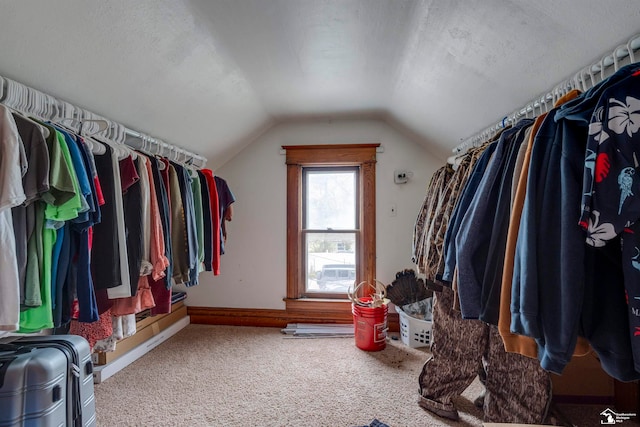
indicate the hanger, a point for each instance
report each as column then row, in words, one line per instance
column 632, row 56
column 117, row 148
column 158, row 154
column 95, row 146
column 11, row 97
column 102, row 126
column 583, row 79
column 623, row 53
column 602, row 66
column 145, row 141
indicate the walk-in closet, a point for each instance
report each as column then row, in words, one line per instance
column 196, row 197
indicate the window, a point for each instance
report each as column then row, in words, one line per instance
column 330, row 220
column 330, row 225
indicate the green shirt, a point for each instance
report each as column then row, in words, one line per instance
column 197, row 204
column 62, row 205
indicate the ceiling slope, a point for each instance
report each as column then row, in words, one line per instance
column 211, row 75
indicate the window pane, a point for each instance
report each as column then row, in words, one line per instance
column 331, row 262
column 330, row 199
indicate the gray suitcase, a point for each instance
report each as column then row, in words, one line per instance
column 33, row 386
column 80, row 399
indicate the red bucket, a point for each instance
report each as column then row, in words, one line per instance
column 370, row 326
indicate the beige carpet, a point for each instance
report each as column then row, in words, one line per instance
column 242, row 376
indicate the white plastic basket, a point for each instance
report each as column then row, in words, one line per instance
column 414, row 332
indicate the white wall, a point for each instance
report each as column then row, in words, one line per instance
column 254, row 265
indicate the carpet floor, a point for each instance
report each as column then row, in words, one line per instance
column 245, row 376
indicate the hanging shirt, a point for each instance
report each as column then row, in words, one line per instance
column 35, row 183
column 474, row 235
column 60, row 191
column 421, row 244
column 225, row 199
column 82, row 176
column 143, row 298
column 179, row 242
column 184, row 181
column 105, row 252
column 132, row 206
column 161, row 288
column 57, row 218
column 11, row 195
column 57, row 214
column 215, row 220
column 60, row 208
column 145, row 205
column 124, row 289
column 207, row 222
column 468, row 193
column 64, row 282
column 199, row 216
column 87, row 306
column 611, row 186
column 157, row 248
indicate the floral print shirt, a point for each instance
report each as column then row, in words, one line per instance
column 611, row 185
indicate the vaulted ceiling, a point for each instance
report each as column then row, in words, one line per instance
column 212, row 75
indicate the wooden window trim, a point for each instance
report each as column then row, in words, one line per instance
column 299, row 156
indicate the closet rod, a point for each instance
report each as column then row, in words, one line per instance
column 153, row 145
column 31, row 101
column 590, row 73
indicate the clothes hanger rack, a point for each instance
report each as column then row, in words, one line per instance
column 31, row 102
column 582, row 80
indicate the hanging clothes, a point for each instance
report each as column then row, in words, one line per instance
column 105, row 257
column 90, row 239
column 179, row 239
column 85, row 293
column 11, row 195
column 143, row 298
column 541, row 241
column 214, row 255
column 423, row 253
column 190, row 233
column 462, row 347
column 133, row 218
column 35, row 183
column 610, row 208
column 567, row 281
column 513, row 342
column 208, row 222
column 157, row 249
column 465, row 198
column 225, row 213
column 476, row 258
column 161, row 287
column 196, row 189
column 63, row 204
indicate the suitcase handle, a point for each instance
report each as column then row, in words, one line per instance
column 15, row 348
column 4, row 366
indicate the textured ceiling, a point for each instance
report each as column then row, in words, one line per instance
column 211, row 75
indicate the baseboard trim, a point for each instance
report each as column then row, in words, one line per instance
column 271, row 318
